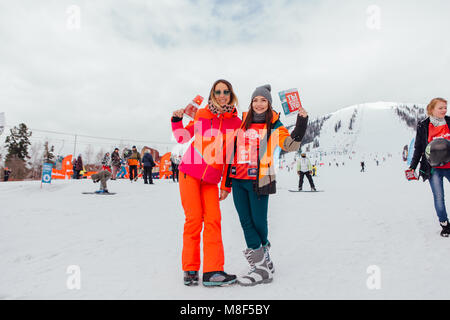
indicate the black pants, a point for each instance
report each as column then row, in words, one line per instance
column 175, row 172
column 133, row 172
column 77, row 174
column 148, row 174
column 308, row 175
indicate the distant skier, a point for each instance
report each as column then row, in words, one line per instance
column 101, row 177
column 304, row 168
column 148, row 167
column 362, row 166
column 437, row 125
column 6, row 174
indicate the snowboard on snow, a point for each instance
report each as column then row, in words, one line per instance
column 103, row 193
column 306, row 191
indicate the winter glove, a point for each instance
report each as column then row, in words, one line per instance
column 300, row 128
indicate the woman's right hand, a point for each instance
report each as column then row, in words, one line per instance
column 178, row 113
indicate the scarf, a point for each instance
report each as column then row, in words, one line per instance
column 259, row 117
column 219, row 110
column 437, row 121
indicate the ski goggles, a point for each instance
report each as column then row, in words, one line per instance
column 225, row 92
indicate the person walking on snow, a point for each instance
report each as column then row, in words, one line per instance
column 201, row 169
column 115, row 163
column 362, row 166
column 133, row 162
column 148, row 166
column 251, row 174
column 436, row 125
column 304, row 167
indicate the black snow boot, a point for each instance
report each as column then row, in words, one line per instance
column 218, row 278
column 445, row 229
column 191, row 278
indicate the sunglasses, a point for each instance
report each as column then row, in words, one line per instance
column 225, row 92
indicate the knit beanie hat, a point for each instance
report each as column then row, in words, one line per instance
column 263, row 91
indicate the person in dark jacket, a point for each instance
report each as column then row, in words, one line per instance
column 175, row 161
column 6, row 174
column 148, row 162
column 78, row 166
column 115, row 163
column 435, row 126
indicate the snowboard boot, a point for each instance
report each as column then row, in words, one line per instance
column 259, row 271
column 445, row 229
column 313, row 189
column 300, row 188
column 269, row 261
column 218, row 278
column 191, row 278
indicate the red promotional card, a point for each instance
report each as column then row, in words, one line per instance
column 410, row 175
column 192, row 107
column 290, row 101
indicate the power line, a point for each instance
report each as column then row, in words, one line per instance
column 101, row 138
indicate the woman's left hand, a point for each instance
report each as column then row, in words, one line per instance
column 223, row 195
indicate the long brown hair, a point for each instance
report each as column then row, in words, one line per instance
column 212, row 97
column 249, row 119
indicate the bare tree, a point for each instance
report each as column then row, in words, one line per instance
column 88, row 154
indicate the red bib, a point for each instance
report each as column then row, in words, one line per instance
column 245, row 165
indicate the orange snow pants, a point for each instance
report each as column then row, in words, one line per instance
column 200, row 201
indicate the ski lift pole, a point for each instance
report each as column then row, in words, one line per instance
column 75, row 146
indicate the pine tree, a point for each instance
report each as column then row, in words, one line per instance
column 48, row 153
column 17, row 143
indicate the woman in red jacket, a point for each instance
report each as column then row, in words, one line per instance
column 200, row 171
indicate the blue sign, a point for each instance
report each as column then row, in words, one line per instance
column 47, row 173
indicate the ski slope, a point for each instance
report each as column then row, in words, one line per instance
column 128, row 246
column 376, row 129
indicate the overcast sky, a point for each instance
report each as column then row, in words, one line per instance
column 119, row 68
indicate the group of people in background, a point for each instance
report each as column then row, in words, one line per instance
column 115, row 164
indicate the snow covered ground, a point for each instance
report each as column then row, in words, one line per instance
column 128, row 246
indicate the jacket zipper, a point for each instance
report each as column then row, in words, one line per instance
column 220, row 127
